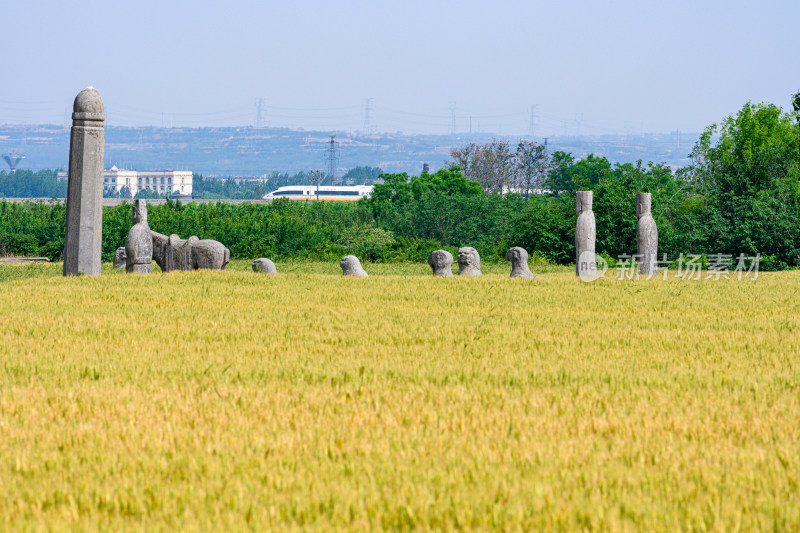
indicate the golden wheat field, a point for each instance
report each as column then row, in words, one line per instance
column 236, row 401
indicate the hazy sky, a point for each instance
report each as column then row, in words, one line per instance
column 588, row 66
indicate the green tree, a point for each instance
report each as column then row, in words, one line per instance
column 567, row 176
column 531, row 166
column 749, row 180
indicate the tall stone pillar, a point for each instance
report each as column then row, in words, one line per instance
column 83, row 239
column 646, row 235
column 585, row 236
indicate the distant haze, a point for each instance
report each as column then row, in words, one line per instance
column 592, row 67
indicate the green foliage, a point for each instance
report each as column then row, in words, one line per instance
column 400, row 190
column 749, row 181
column 32, row 228
column 148, row 194
column 366, row 242
column 546, row 226
column 445, row 180
column 567, row 176
column 30, row 184
column 362, row 176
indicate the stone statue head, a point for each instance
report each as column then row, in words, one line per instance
column 441, row 262
column 264, row 266
column 351, row 266
column 583, row 202
column 519, row 262
column 139, row 211
column 643, row 203
column 120, row 258
column 469, row 262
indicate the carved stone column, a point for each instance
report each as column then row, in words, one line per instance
column 646, row 235
column 84, row 225
column 585, row 236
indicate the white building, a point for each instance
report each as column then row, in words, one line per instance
column 161, row 181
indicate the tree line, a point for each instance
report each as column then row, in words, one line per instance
column 740, row 195
column 43, row 184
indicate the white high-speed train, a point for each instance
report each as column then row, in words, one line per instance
column 340, row 193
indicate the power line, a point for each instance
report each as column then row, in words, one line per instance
column 452, row 107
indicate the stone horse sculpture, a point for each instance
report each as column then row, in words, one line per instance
column 173, row 253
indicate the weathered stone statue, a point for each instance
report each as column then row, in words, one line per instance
column 120, row 258
column 469, row 262
column 84, row 224
column 441, row 262
column 351, row 266
column 173, row 253
column 646, row 235
column 519, row 263
column 139, row 246
column 264, row 266
column 585, row 236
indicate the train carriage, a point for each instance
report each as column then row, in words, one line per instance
column 339, row 193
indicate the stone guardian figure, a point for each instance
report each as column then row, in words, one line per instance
column 84, row 225
column 646, row 235
column 351, row 266
column 585, row 236
column 519, row 263
column 441, row 262
column 469, row 262
column 139, row 246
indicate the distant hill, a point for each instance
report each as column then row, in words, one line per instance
column 249, row 151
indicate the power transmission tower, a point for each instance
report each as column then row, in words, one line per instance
column 452, row 107
column 259, row 117
column 532, row 123
column 368, row 116
column 332, row 159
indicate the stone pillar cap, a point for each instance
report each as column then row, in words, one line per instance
column 88, row 105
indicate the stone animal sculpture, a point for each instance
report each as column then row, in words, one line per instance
column 519, row 263
column 120, row 258
column 441, row 262
column 469, row 262
column 585, row 236
column 173, row 253
column 646, row 235
column 351, row 266
column 139, row 246
column 264, row 266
